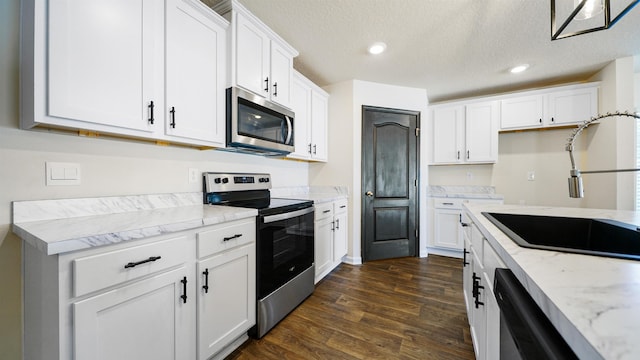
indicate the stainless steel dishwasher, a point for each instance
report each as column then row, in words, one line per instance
column 525, row 331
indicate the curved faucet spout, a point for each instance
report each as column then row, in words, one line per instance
column 575, row 181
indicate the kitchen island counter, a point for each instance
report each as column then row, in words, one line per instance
column 593, row 301
column 60, row 226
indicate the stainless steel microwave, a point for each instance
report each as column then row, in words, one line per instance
column 255, row 125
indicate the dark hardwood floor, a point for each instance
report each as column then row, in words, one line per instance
column 407, row 308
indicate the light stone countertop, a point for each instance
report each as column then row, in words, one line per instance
column 464, row 192
column 59, row 226
column 317, row 194
column 593, row 301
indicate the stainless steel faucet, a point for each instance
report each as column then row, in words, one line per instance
column 575, row 181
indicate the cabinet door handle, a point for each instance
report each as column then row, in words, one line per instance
column 151, row 120
column 553, row 120
column 309, row 148
column 333, row 226
column 266, row 84
column 540, row 120
column 464, row 257
column 458, row 154
column 275, row 89
column 134, row 264
column 337, row 224
column 232, row 237
column 315, row 147
column 206, row 281
column 172, row 112
column 184, row 290
column 468, row 154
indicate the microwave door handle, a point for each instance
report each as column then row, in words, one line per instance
column 289, row 132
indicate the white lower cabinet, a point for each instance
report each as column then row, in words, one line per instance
column 143, row 299
column 330, row 236
column 480, row 262
column 226, row 288
column 446, row 235
column 148, row 319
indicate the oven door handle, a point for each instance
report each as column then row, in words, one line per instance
column 288, row 215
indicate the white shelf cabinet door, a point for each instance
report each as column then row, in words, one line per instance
column 144, row 320
column 281, row 75
column 227, row 309
column 252, row 57
column 478, row 327
column 104, row 64
column 467, row 280
column 447, row 229
column 319, row 126
column 572, row 106
column 195, row 55
column 522, row 112
column 340, row 236
column 323, row 247
column 481, row 136
column 448, row 135
column 301, row 105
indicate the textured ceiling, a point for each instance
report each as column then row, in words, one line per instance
column 452, row 48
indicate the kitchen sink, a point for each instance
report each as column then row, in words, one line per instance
column 601, row 237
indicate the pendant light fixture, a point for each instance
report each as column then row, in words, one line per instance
column 584, row 16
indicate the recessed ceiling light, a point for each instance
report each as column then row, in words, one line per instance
column 377, row 48
column 519, row 68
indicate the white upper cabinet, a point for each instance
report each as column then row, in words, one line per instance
column 572, row 106
column 481, row 125
column 521, row 112
column 261, row 61
column 560, row 106
column 311, row 106
column 105, row 66
column 465, row 133
column 195, row 56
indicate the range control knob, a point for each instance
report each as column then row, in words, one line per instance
column 216, row 180
column 225, row 180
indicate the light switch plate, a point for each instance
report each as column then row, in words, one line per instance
column 194, row 174
column 58, row 173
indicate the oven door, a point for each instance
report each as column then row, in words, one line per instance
column 285, row 248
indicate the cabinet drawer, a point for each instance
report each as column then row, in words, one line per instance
column 447, row 203
column 225, row 236
column 97, row 272
column 340, row 206
column 323, row 211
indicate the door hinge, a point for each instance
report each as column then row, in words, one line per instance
column 417, row 132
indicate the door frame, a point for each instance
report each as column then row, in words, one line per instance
column 362, row 172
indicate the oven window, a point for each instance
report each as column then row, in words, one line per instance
column 262, row 123
column 285, row 249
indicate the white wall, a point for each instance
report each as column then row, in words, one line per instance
column 108, row 167
column 344, row 166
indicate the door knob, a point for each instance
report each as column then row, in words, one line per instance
column 369, row 193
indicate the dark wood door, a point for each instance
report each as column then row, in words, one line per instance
column 389, row 182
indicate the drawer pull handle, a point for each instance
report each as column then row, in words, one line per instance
column 184, row 290
column 134, row 264
column 326, row 211
column 343, row 206
column 206, row 281
column 447, row 203
column 232, row 237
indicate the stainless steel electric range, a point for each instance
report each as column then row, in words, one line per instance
column 284, row 242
